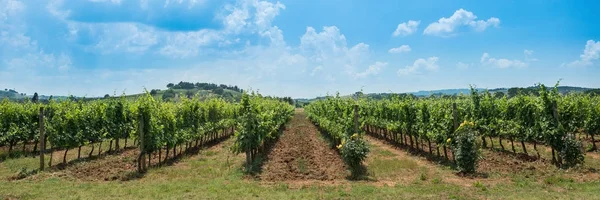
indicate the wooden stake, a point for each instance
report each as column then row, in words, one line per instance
column 42, row 139
column 141, row 160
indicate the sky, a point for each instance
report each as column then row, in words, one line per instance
column 295, row 48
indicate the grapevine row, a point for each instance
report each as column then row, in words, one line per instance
column 72, row 124
column 259, row 124
column 550, row 119
column 335, row 117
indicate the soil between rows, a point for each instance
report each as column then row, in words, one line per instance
column 302, row 154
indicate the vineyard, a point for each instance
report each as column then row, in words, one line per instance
column 472, row 145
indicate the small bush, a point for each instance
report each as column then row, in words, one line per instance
column 572, row 153
column 423, row 177
column 465, row 148
column 354, row 151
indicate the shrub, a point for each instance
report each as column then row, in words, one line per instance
column 354, row 151
column 571, row 153
column 465, row 148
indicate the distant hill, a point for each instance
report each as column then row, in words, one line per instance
column 12, row 94
column 466, row 91
column 444, row 92
column 173, row 91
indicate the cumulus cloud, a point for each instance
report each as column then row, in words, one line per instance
column 187, row 44
column 372, row 70
column 41, row 60
column 429, row 64
column 460, row 18
column 461, row 65
column 406, row 28
column 316, row 70
column 130, row 38
column 501, row 62
column 10, row 7
column 590, row 54
column 529, row 55
column 400, row 49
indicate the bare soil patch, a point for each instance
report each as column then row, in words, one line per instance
column 302, row 154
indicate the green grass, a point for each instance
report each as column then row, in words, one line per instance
column 217, row 174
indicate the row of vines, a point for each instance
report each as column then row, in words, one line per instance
column 259, row 125
column 72, row 124
column 462, row 124
column 550, row 119
column 335, row 117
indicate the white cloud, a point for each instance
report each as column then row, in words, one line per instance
column 461, row 65
column 19, row 53
column 111, row 1
column 447, row 26
column 129, row 38
column 191, row 3
column 275, row 35
column 406, row 28
column 187, row 44
column 429, row 64
column 400, row 49
column 236, row 20
column 590, row 53
column 316, row 70
column 329, row 50
column 502, row 62
column 251, row 15
column 10, row 7
column 265, row 13
column 40, row 60
column 372, row 70
column 528, row 55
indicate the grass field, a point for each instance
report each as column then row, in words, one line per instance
column 216, row 173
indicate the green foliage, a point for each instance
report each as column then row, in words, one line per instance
column 72, row 123
column 259, row 123
column 572, row 153
column 465, row 146
column 335, row 117
column 354, row 151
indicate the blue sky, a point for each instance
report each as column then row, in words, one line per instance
column 296, row 48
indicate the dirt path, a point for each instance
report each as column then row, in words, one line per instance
column 301, row 154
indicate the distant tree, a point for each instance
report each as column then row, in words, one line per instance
column 169, row 94
column 50, row 99
column 35, row 97
column 189, row 94
column 170, row 85
column 513, row 92
column 218, row 91
column 106, row 96
column 154, row 92
column 498, row 95
column 593, row 92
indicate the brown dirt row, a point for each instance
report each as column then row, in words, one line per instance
column 302, row 154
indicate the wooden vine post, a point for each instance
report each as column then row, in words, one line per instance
column 42, row 138
column 141, row 158
column 455, row 120
column 558, row 159
column 355, row 118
